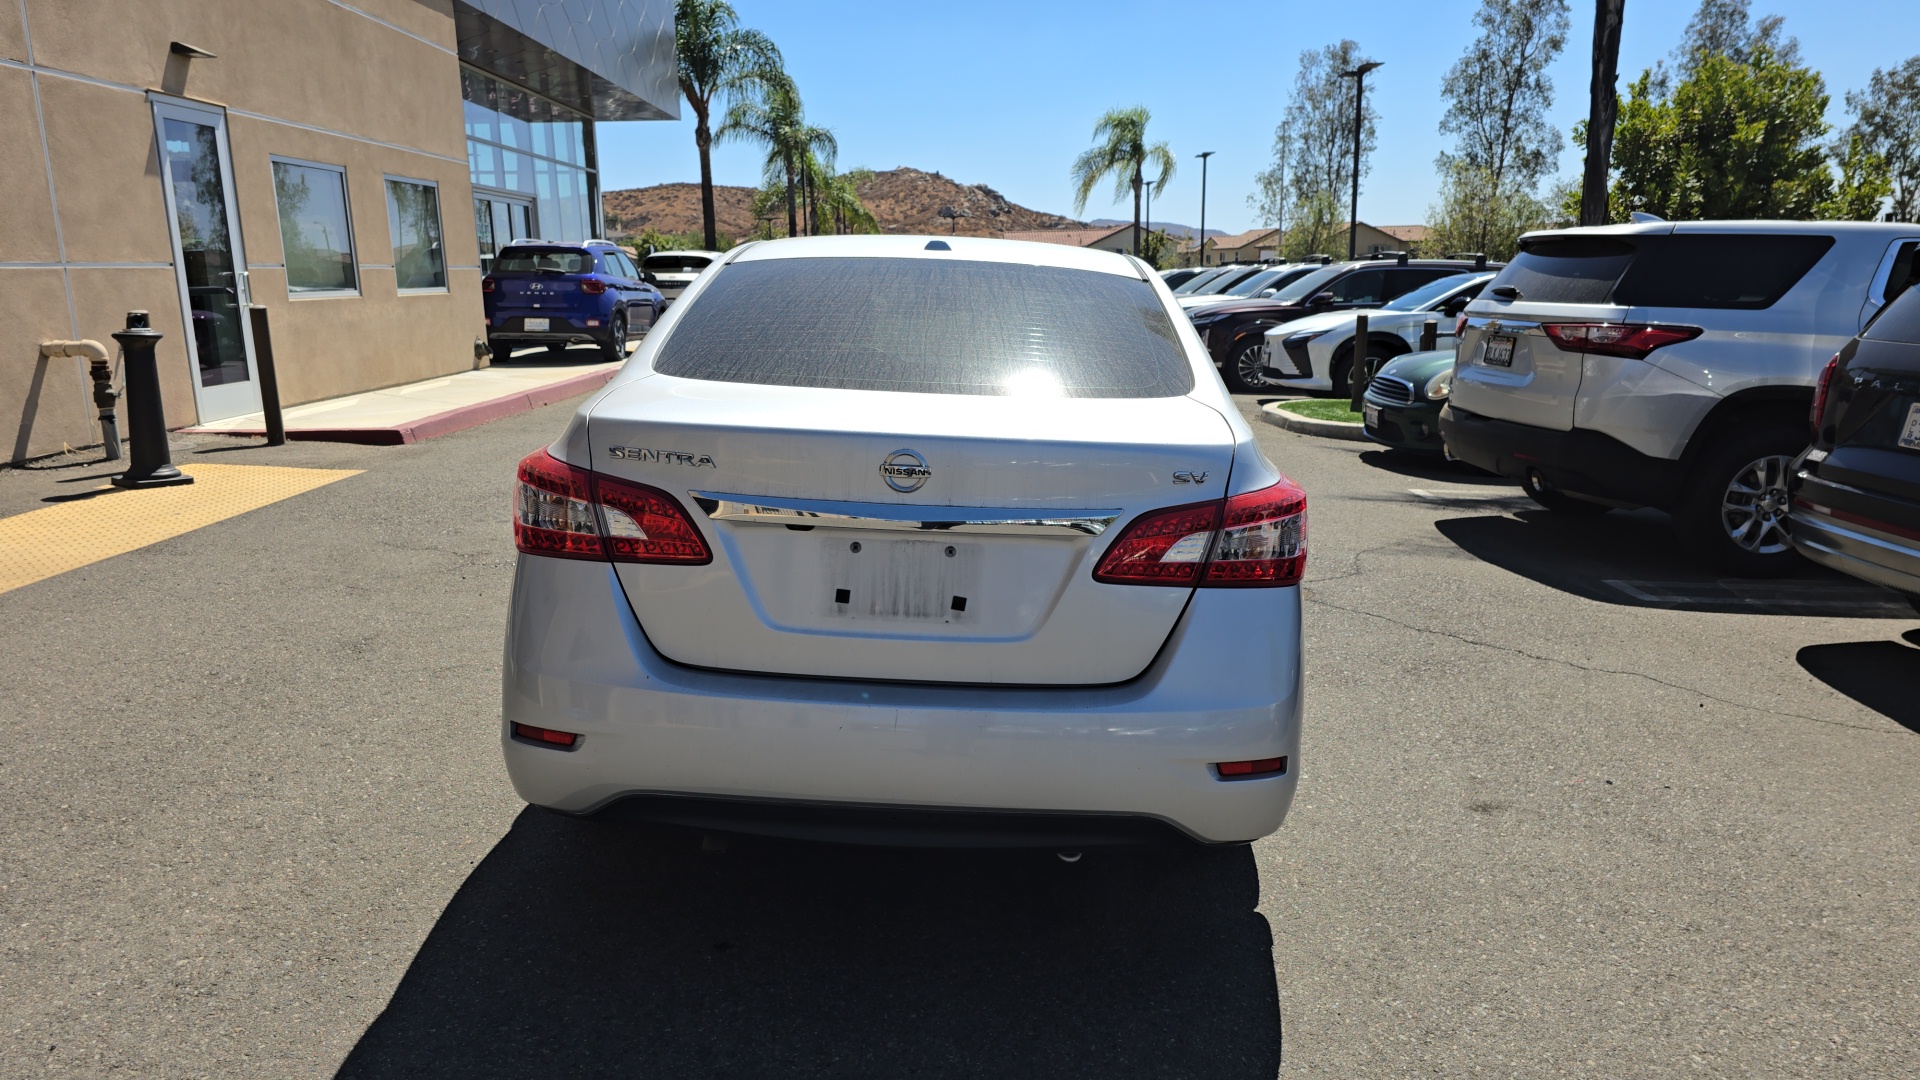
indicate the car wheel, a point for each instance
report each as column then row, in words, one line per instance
column 1559, row 502
column 1733, row 510
column 615, row 347
column 1243, row 369
column 1342, row 373
column 1914, row 599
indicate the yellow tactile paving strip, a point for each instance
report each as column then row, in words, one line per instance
column 38, row 544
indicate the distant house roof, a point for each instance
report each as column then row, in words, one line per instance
column 1069, row 237
column 1234, row 241
column 1412, row 234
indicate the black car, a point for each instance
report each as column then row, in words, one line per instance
column 1855, row 493
column 1234, row 331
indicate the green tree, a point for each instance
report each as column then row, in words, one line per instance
column 1735, row 139
column 1123, row 154
column 776, row 120
column 1475, row 213
column 1887, row 123
column 1312, row 170
column 1162, row 252
column 721, row 60
column 1497, row 97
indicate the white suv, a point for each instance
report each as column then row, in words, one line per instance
column 1667, row 365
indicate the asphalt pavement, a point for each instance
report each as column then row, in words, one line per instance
column 1569, row 807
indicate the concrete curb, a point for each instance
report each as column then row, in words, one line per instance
column 442, row 423
column 1307, row 425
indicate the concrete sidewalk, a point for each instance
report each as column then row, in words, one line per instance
column 432, row 407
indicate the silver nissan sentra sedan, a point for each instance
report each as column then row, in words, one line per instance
column 911, row 540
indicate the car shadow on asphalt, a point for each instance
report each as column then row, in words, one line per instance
column 1878, row 674
column 1433, row 467
column 1630, row 558
column 585, row 948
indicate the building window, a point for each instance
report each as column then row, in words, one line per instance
column 413, row 219
column 521, row 143
column 316, row 236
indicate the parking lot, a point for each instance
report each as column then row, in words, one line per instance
column 1570, row 807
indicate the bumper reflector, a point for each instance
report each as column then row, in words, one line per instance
column 1234, row 770
column 564, row 740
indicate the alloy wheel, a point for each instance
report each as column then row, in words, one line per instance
column 1753, row 509
column 1247, row 364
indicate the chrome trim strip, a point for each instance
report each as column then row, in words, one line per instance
column 893, row 517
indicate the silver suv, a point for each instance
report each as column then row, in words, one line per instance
column 1668, row 365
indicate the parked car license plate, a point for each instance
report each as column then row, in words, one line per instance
column 1910, row 435
column 1370, row 415
column 1499, row 351
column 533, row 324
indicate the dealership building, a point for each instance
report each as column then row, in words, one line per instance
column 351, row 165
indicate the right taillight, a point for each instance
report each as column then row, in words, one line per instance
column 1820, row 394
column 487, row 284
column 1252, row 540
column 1631, row 340
column 567, row 512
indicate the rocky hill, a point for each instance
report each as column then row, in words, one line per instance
column 904, row 200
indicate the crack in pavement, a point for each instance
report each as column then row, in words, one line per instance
column 1577, row 666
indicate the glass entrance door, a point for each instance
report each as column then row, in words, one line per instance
column 196, row 174
column 500, row 220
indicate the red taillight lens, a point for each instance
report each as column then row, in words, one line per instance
column 592, row 286
column 1262, row 767
column 563, row 739
column 1256, row 539
column 487, row 284
column 1820, row 394
column 571, row 513
column 1630, row 340
column 1460, row 325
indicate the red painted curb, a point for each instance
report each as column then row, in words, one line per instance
column 442, row 423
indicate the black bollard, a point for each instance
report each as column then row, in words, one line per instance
column 151, row 463
column 1357, row 380
column 1430, row 335
column 269, row 377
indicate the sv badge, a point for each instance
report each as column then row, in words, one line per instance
column 1184, row 477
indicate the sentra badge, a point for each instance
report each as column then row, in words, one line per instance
column 661, row 457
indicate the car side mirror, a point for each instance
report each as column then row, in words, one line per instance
column 1322, row 299
column 647, row 276
column 1454, row 307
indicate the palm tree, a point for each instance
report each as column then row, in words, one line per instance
column 718, row 58
column 1122, row 153
column 776, row 120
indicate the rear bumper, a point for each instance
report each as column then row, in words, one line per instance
column 1408, row 427
column 1857, row 549
column 1579, row 461
column 1134, row 758
column 561, row 328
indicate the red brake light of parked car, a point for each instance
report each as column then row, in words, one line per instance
column 1256, row 539
column 592, row 286
column 567, row 512
column 1630, row 340
column 487, row 284
column 1820, row 394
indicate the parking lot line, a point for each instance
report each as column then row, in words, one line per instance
column 106, row 521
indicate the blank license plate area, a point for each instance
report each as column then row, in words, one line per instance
column 1498, row 351
column 1370, row 415
column 1910, row 431
column 533, row 324
column 927, row 581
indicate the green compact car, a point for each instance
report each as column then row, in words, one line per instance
column 1402, row 404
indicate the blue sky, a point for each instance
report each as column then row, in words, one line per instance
column 1005, row 94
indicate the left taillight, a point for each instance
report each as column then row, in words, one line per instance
column 488, row 284
column 592, row 286
column 566, row 512
column 1251, row 540
column 1820, row 392
column 1631, row 340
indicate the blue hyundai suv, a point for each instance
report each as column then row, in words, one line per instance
column 555, row 293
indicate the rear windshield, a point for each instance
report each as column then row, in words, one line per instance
column 1898, row 321
column 559, row 260
column 929, row 326
column 676, row 264
column 1722, row 271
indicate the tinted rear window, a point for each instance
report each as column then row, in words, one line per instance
column 676, row 264
column 1898, row 321
column 929, row 326
column 1574, row 270
column 563, row 260
column 1713, row 270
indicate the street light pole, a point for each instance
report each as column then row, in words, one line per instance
column 1359, row 77
column 1202, row 246
column 1148, row 185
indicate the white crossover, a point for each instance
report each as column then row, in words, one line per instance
column 672, row 271
column 912, row 540
column 1316, row 352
